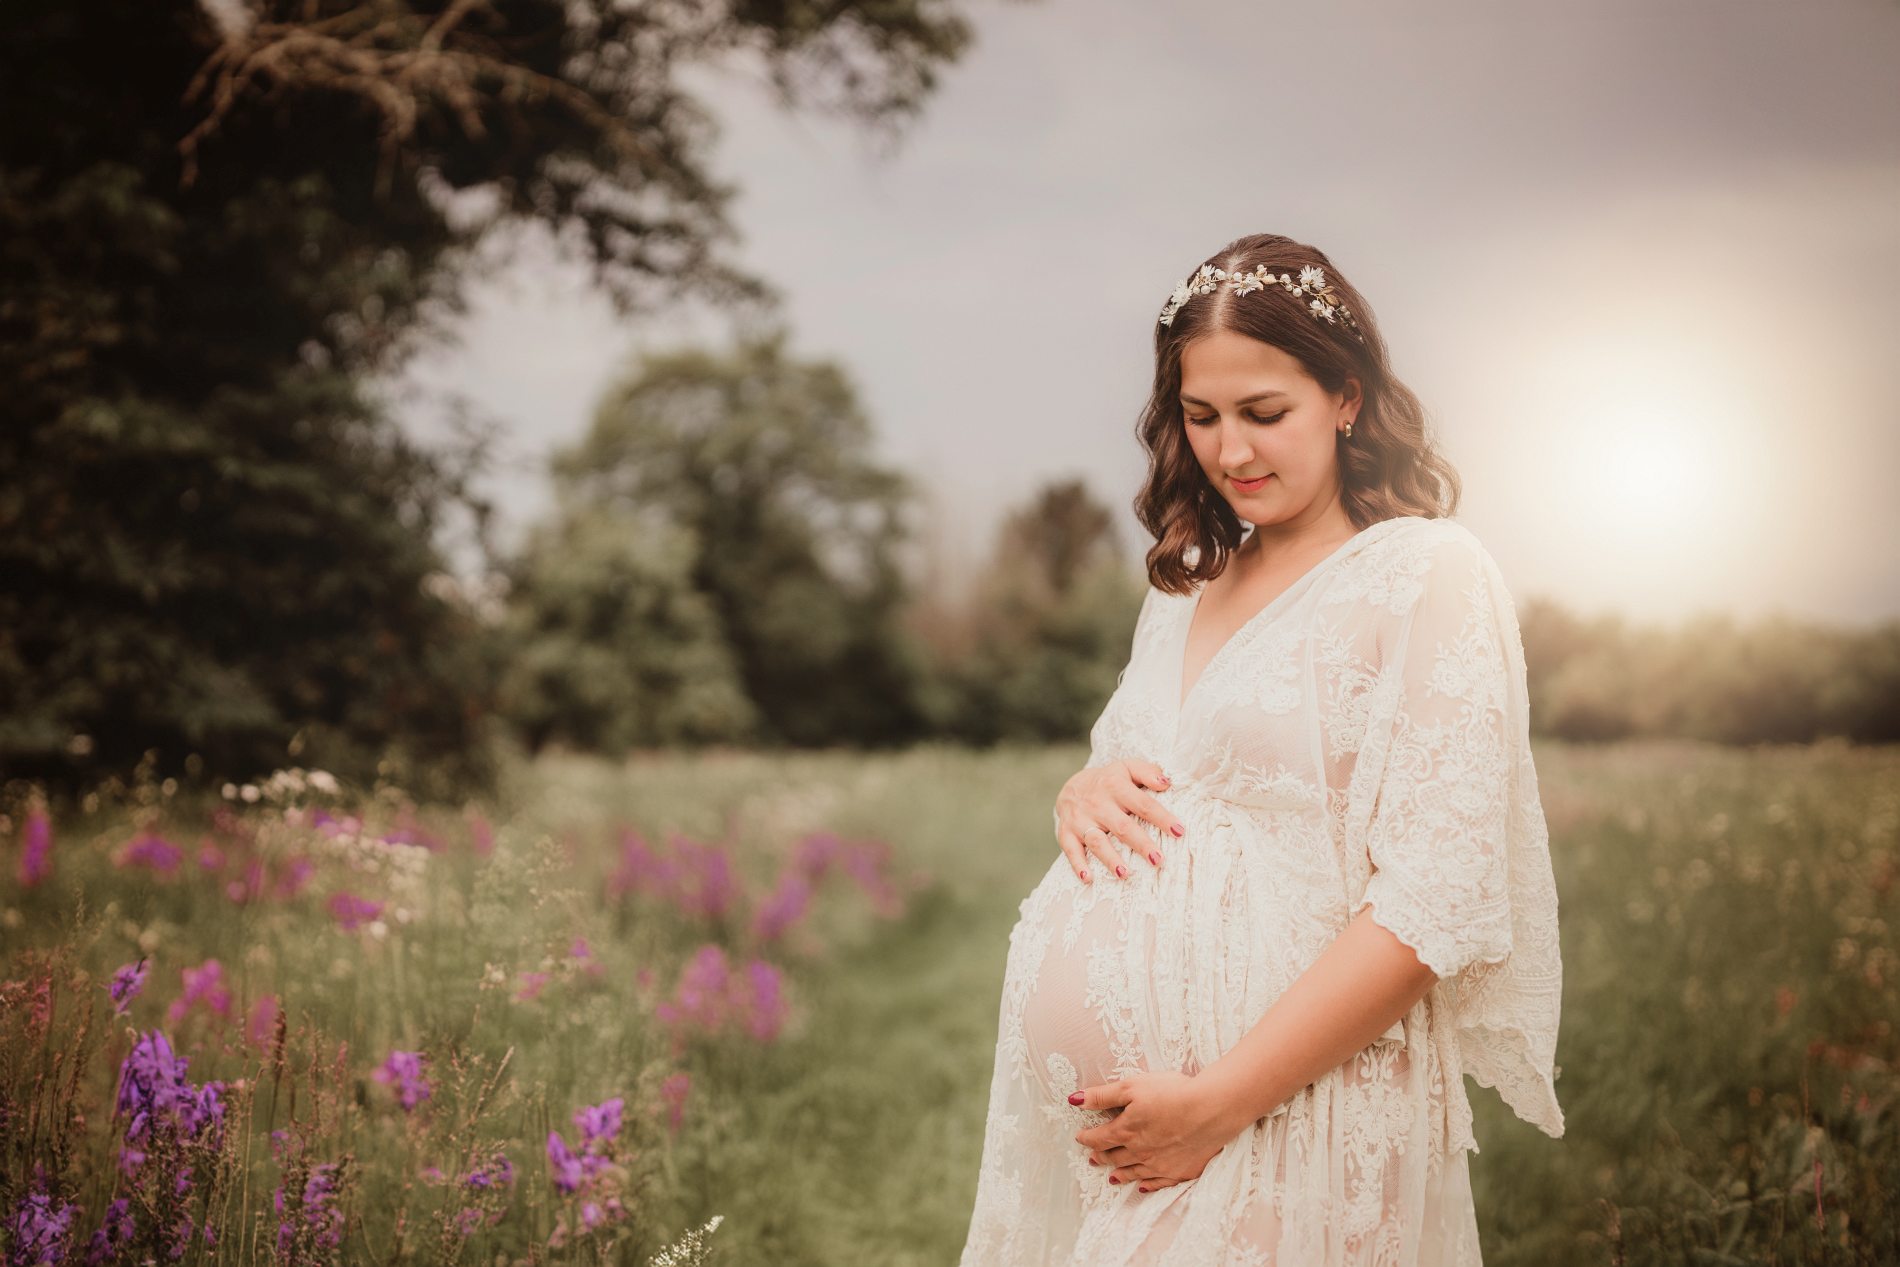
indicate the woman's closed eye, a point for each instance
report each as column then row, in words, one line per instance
column 1202, row 422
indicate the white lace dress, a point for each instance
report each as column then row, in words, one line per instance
column 1363, row 740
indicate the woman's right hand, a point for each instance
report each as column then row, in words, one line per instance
column 1109, row 802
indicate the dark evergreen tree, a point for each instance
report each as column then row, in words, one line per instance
column 220, row 228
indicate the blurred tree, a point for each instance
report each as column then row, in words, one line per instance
column 611, row 647
column 1777, row 680
column 757, row 466
column 1049, row 625
column 219, row 225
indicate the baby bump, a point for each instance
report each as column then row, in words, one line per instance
column 1084, row 1019
column 1124, row 975
column 1169, row 967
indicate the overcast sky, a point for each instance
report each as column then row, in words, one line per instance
column 1640, row 258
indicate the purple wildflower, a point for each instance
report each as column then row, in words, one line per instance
column 865, row 862
column 817, row 852
column 673, row 1094
column 573, row 1170
column 642, row 869
column 783, row 907
column 700, row 997
column 350, row 911
column 36, row 848
column 160, row 1100
column 319, row 1210
column 149, row 849
column 113, row 1234
column 262, row 1023
column 765, row 1007
column 319, row 1193
column 710, row 996
column 697, row 878
column 710, row 885
column 600, row 1122
column 295, row 873
column 41, row 1228
column 496, row 1172
column 403, row 1069
column 330, row 825
column 568, row 1174
column 203, row 984
column 408, row 831
column 126, row 984
column 583, row 954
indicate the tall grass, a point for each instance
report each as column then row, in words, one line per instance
column 1727, row 1057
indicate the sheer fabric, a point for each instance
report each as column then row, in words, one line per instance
column 1363, row 740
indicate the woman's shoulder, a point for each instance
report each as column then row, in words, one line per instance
column 1406, row 555
column 1430, row 532
column 1435, row 540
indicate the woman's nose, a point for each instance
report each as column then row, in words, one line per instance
column 1235, row 453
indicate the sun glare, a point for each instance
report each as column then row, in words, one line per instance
column 1653, row 464
column 1645, row 470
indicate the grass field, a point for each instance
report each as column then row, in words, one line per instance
column 1728, row 1051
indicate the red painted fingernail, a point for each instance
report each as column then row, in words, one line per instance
column 1178, row 830
column 1121, row 871
column 1141, row 1189
column 1155, row 858
column 1085, row 877
column 1093, row 1162
column 1077, row 1098
column 1113, row 1179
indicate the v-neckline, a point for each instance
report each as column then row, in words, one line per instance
column 1183, row 698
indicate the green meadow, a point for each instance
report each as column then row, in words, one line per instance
column 1727, row 1057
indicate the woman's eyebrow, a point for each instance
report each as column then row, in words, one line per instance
column 1245, row 400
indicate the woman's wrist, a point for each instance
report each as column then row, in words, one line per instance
column 1227, row 1100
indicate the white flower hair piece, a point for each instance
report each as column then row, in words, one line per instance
column 1325, row 304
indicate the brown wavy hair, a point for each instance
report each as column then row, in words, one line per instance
column 1388, row 468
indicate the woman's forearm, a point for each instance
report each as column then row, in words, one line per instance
column 1363, row 982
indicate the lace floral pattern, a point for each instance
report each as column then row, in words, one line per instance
column 1361, row 742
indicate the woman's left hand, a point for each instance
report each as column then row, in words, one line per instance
column 1169, row 1128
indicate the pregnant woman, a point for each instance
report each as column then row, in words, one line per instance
column 1305, row 883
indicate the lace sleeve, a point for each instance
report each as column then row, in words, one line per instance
column 1460, row 855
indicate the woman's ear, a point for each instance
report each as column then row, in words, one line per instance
column 1352, row 394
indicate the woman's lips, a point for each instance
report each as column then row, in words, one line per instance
column 1249, row 486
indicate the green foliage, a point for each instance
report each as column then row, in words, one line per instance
column 219, row 226
column 613, row 647
column 1732, row 974
column 1048, row 629
column 1776, row 681
column 731, row 497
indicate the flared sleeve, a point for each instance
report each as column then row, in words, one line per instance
column 1449, row 815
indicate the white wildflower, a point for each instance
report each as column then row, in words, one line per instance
column 690, row 1249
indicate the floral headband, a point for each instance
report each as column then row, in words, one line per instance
column 1325, row 303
